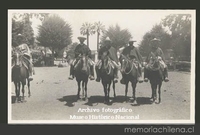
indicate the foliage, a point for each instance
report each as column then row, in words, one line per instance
column 21, row 24
column 156, row 32
column 70, row 50
column 87, row 29
column 119, row 37
column 54, row 33
column 180, row 28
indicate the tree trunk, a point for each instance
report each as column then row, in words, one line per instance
column 97, row 41
column 45, row 58
column 88, row 40
column 52, row 59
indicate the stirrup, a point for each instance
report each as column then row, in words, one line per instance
column 140, row 80
column 146, row 80
column 166, row 79
column 98, row 80
column 71, row 78
column 30, row 79
column 122, row 81
column 91, row 77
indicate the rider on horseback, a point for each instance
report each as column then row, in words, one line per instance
column 24, row 49
column 80, row 50
column 111, row 51
column 131, row 52
column 156, row 51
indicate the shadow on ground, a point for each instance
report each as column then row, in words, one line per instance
column 95, row 100
column 70, row 100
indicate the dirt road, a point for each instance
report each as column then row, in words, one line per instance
column 54, row 98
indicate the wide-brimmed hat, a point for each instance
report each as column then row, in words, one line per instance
column 19, row 35
column 155, row 39
column 81, row 38
column 107, row 39
column 132, row 40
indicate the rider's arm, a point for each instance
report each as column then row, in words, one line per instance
column 76, row 51
column 89, row 52
column 139, row 56
column 162, row 54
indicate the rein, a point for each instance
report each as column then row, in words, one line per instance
column 108, row 66
column 127, row 66
column 127, row 60
column 154, row 61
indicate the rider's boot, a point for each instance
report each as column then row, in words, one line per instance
column 97, row 73
column 71, row 77
column 30, row 78
column 116, row 75
column 122, row 81
column 91, row 73
column 145, row 75
column 140, row 80
column 166, row 75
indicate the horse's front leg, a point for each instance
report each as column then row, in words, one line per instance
column 29, row 91
column 114, row 89
column 159, row 92
column 133, row 94
column 152, row 93
column 86, row 90
column 83, row 89
column 126, row 91
column 79, row 88
column 109, row 92
column 105, row 92
column 23, row 91
column 16, row 90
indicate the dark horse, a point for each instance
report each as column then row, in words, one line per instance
column 107, row 77
column 82, row 71
column 155, row 76
column 129, row 71
column 20, row 74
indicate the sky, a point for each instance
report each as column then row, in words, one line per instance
column 138, row 22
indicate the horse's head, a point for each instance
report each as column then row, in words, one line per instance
column 16, row 59
column 105, row 60
column 83, row 63
column 155, row 61
column 126, row 62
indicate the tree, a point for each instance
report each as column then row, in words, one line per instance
column 156, row 32
column 54, row 33
column 22, row 27
column 21, row 24
column 180, row 28
column 70, row 50
column 119, row 37
column 99, row 28
column 87, row 29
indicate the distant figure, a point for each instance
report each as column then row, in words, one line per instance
column 64, row 56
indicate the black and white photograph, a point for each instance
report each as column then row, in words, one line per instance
column 101, row 66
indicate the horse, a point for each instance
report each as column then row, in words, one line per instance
column 155, row 76
column 129, row 73
column 20, row 74
column 107, row 77
column 82, row 71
